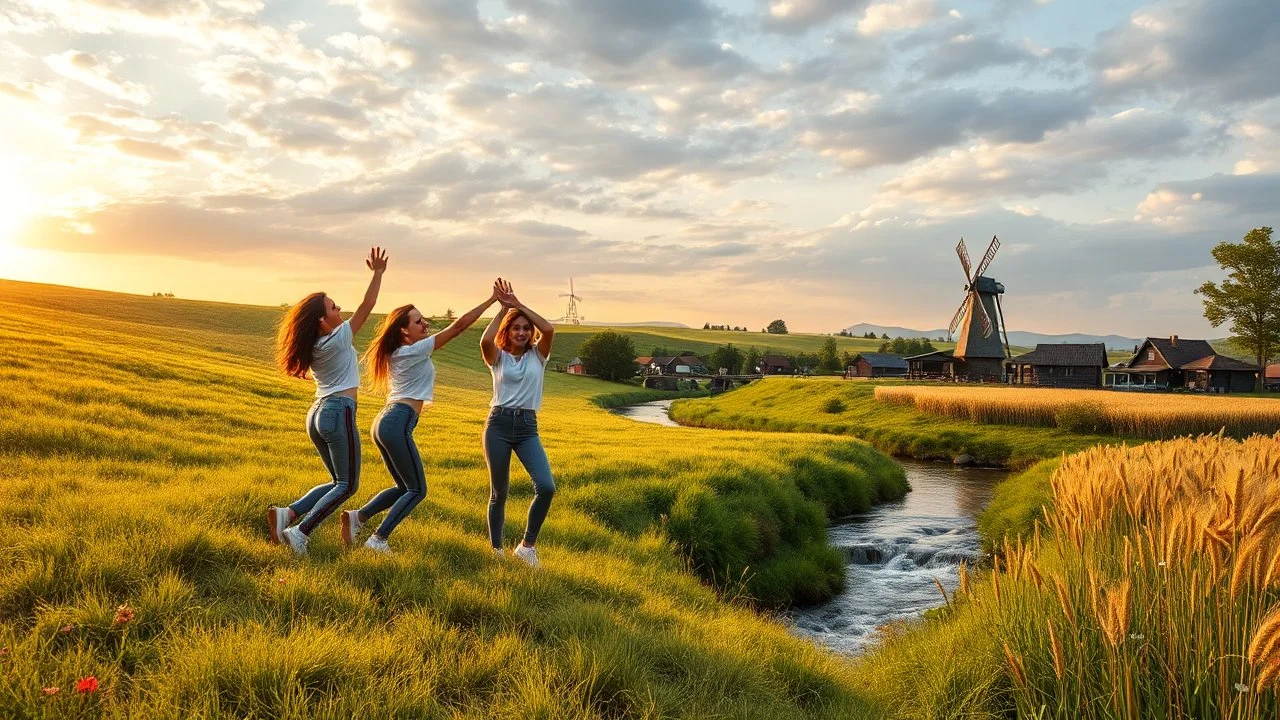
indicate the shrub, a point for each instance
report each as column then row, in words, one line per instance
column 834, row 406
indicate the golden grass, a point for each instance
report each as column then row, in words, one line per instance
column 1150, row 416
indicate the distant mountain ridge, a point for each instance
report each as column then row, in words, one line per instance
column 1021, row 338
column 654, row 323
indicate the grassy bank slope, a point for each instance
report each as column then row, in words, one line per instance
column 141, row 440
column 829, row 405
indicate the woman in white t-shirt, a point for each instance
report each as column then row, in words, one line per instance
column 515, row 346
column 314, row 338
column 399, row 359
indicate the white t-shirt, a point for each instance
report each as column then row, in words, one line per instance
column 517, row 381
column 333, row 362
column 413, row 375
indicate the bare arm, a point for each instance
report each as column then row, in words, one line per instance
column 489, row 348
column 377, row 262
column 467, row 320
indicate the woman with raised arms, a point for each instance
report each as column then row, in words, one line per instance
column 313, row 338
column 399, row 360
column 515, row 346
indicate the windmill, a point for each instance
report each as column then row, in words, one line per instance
column 980, row 318
column 571, row 316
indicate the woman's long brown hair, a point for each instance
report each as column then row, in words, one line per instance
column 386, row 340
column 503, row 341
column 296, row 339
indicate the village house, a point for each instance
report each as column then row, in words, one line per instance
column 776, row 365
column 1068, row 365
column 930, row 366
column 1173, row 362
column 680, row 365
column 1273, row 376
column 876, row 365
column 575, row 367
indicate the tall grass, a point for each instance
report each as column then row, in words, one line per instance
column 1152, row 589
column 142, row 439
column 1150, row 416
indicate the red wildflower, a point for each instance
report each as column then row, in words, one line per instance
column 66, row 629
column 4, row 653
column 50, row 691
column 87, row 685
column 124, row 614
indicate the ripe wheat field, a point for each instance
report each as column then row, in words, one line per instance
column 1135, row 415
column 141, row 440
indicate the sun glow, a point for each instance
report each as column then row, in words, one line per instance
column 16, row 209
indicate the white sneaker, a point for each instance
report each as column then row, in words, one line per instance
column 377, row 544
column 277, row 520
column 351, row 527
column 296, row 539
column 527, row 554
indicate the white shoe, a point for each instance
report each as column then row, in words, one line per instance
column 377, row 544
column 351, row 527
column 277, row 520
column 527, row 554
column 296, row 539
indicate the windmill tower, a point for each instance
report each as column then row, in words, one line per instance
column 980, row 319
column 571, row 316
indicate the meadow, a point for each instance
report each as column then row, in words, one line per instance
column 141, row 440
column 849, row 407
column 1151, row 589
column 1127, row 414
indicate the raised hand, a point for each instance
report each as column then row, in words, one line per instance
column 502, row 290
column 377, row 261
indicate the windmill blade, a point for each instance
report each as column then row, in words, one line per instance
column 963, row 252
column 982, row 315
column 988, row 257
column 955, row 321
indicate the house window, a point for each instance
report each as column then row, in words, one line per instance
column 1067, row 371
column 1151, row 354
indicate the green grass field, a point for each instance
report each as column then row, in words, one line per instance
column 141, row 440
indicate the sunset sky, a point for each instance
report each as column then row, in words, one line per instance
column 730, row 161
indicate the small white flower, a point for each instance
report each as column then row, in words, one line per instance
column 1162, row 563
column 1137, row 636
column 1242, row 688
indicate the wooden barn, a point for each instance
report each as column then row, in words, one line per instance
column 1273, row 376
column 936, row 365
column 877, row 365
column 679, row 365
column 575, row 367
column 1068, row 365
column 1173, row 362
column 776, row 365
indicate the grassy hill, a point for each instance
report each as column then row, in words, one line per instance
column 141, row 440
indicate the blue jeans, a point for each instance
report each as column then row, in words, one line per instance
column 515, row 430
column 393, row 434
column 331, row 423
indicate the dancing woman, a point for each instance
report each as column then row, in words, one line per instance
column 399, row 359
column 313, row 337
column 515, row 346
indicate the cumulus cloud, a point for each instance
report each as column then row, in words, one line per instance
column 885, row 17
column 93, row 72
column 796, row 16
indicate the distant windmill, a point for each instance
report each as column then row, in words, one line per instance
column 571, row 316
column 979, row 317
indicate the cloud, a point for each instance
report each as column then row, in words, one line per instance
column 89, row 70
column 1224, row 49
column 798, row 16
column 1207, row 202
column 886, row 17
column 148, row 150
column 890, row 133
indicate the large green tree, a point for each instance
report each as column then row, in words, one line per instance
column 727, row 357
column 829, row 355
column 777, row 327
column 1249, row 298
column 609, row 355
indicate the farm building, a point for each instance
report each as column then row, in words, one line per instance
column 1077, row 365
column 671, row 365
column 776, row 365
column 877, row 365
column 575, row 367
column 1173, row 362
column 930, row 366
column 1273, row 376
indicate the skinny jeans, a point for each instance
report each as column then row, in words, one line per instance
column 393, row 435
column 515, row 430
column 331, row 423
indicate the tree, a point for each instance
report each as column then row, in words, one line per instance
column 448, row 314
column 777, row 327
column 727, row 357
column 1250, row 296
column 751, row 360
column 706, row 326
column 829, row 355
column 608, row 355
